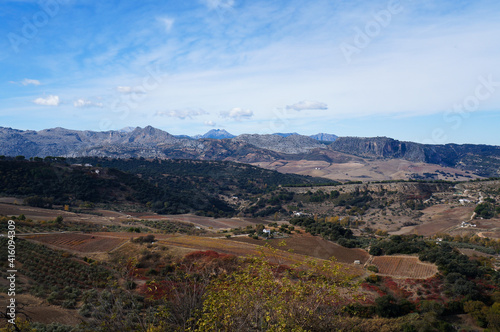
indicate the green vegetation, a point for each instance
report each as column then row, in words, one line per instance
column 220, row 175
column 488, row 209
column 328, row 230
column 54, row 275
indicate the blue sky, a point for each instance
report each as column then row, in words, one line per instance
column 425, row 71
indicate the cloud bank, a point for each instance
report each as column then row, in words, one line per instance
column 47, row 101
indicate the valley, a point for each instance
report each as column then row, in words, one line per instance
column 364, row 169
column 145, row 226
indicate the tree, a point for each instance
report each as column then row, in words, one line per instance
column 265, row 296
column 387, row 306
column 493, row 316
column 478, row 310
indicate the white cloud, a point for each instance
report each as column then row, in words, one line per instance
column 307, row 105
column 86, row 103
column 167, row 23
column 130, row 89
column 237, row 114
column 210, row 123
column 182, row 114
column 49, row 101
column 219, row 4
column 28, row 81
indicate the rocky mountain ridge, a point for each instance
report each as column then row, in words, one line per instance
column 150, row 142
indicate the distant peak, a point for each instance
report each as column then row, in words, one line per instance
column 216, row 134
column 127, row 130
column 324, row 137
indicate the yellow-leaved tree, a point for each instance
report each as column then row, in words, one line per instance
column 265, row 296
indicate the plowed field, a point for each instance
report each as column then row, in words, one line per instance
column 78, row 242
column 404, row 267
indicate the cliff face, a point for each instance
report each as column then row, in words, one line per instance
column 379, row 147
column 483, row 160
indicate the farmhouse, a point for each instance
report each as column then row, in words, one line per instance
column 466, row 224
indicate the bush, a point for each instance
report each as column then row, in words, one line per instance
column 144, row 239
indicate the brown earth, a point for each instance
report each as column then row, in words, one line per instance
column 492, row 225
column 121, row 218
column 86, row 243
column 216, row 223
column 314, row 246
column 364, row 169
column 40, row 311
column 443, row 218
column 40, row 214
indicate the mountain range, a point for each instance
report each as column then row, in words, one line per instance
column 149, row 142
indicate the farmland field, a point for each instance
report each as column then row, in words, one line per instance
column 314, row 246
column 404, row 267
column 216, row 223
column 227, row 247
column 78, row 242
column 442, row 219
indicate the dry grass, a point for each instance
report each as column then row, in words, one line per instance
column 349, row 168
column 443, row 218
column 40, row 311
column 314, row 246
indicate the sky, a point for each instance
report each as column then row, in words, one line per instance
column 423, row 71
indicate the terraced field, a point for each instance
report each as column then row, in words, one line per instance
column 404, row 267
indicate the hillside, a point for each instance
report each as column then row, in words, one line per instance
column 89, row 241
column 173, row 186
